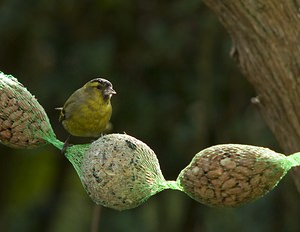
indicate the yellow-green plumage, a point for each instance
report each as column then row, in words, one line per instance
column 88, row 110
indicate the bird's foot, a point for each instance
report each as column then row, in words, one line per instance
column 66, row 145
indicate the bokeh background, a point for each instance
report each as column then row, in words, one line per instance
column 178, row 90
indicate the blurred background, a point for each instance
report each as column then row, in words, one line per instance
column 178, row 91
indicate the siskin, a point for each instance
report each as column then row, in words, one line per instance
column 87, row 111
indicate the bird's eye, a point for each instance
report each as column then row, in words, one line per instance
column 100, row 87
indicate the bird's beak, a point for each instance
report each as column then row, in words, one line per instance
column 110, row 91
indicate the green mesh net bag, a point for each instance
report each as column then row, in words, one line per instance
column 121, row 172
column 23, row 121
column 118, row 171
column 233, row 174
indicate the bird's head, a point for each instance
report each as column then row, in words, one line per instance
column 103, row 85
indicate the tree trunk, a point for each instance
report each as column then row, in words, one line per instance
column 266, row 45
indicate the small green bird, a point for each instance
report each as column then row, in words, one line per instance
column 87, row 111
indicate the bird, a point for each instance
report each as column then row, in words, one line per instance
column 87, row 112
